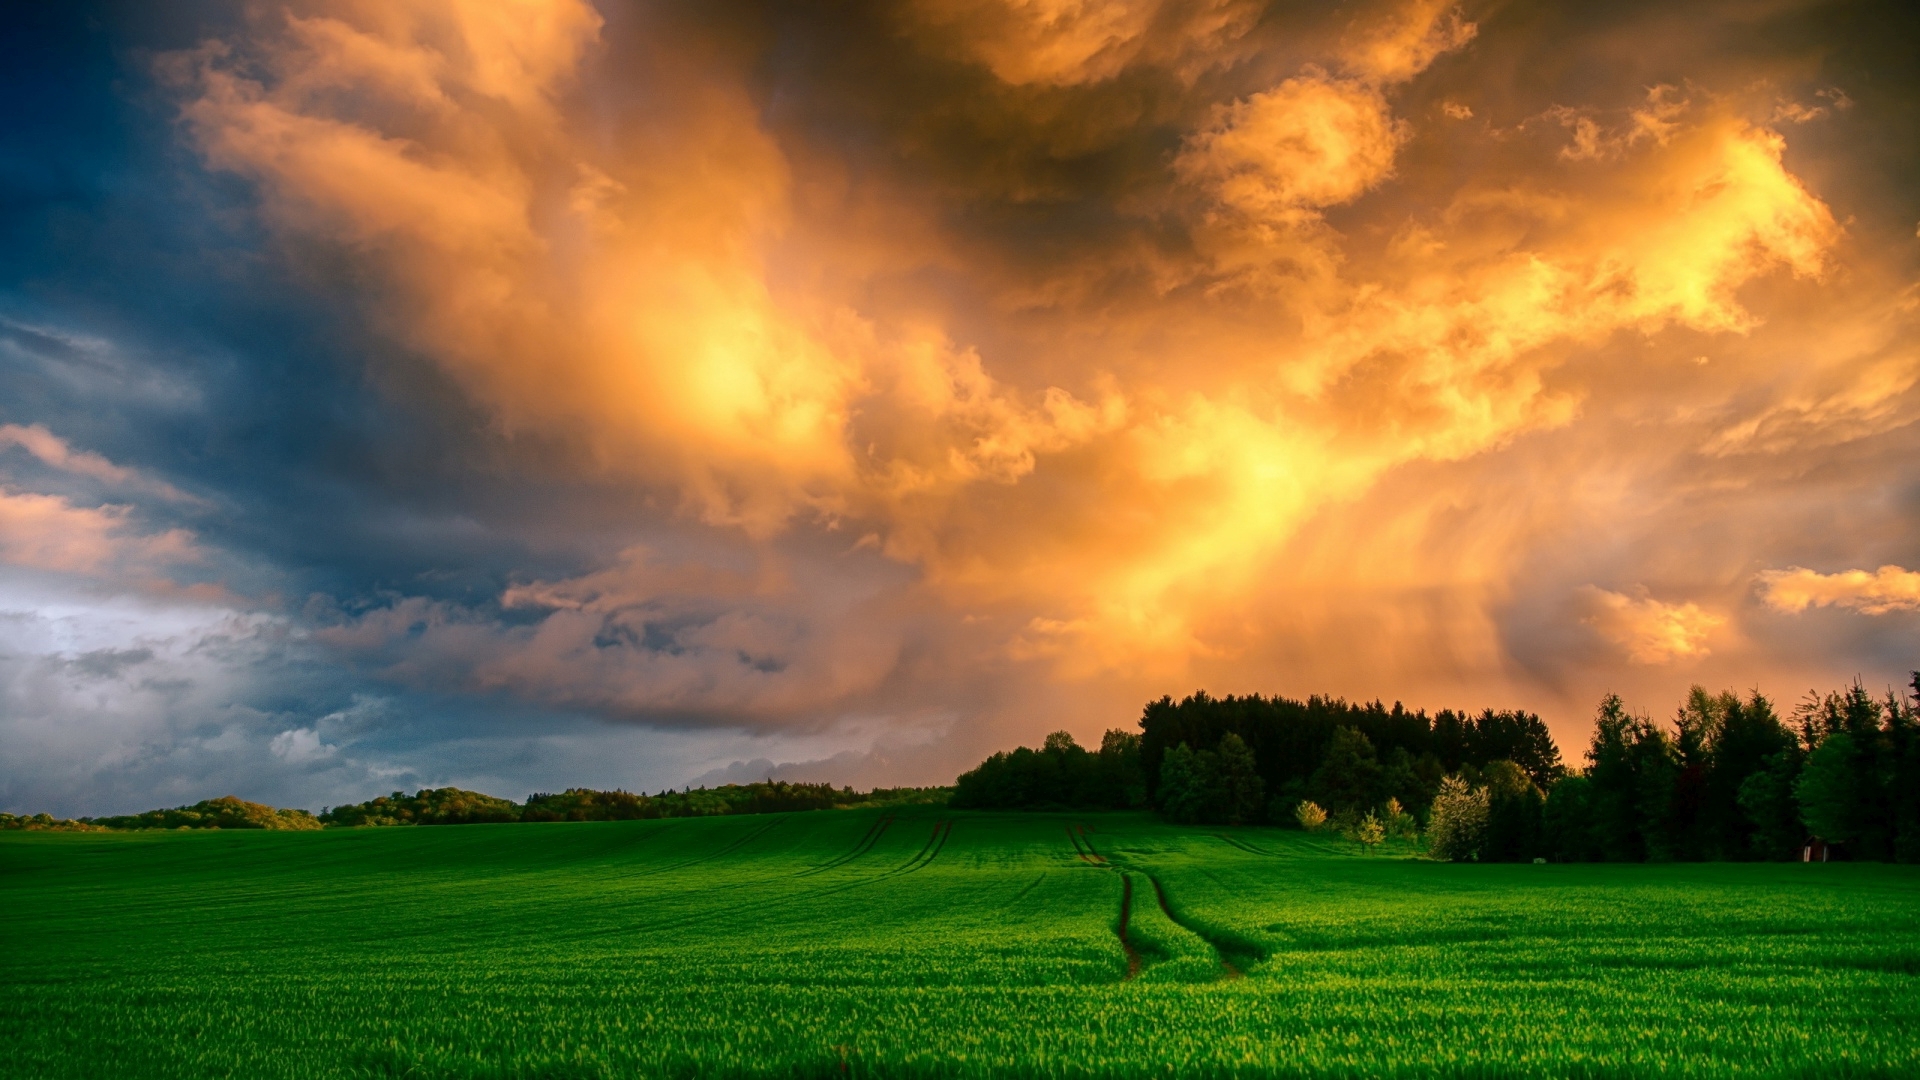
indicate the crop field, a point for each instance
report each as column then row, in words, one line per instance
column 925, row 942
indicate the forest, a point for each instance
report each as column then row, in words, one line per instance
column 1726, row 779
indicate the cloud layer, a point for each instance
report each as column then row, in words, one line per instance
column 965, row 368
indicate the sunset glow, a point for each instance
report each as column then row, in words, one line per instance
column 698, row 384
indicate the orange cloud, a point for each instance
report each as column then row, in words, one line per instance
column 1650, row 631
column 1108, row 396
column 1073, row 42
column 1880, row 592
column 46, row 532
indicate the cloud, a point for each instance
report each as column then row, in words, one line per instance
column 52, row 450
column 767, row 379
column 47, row 532
column 1405, row 40
column 1280, row 156
column 1880, row 592
column 651, row 638
column 1650, row 631
column 1062, row 43
column 299, row 746
column 720, row 336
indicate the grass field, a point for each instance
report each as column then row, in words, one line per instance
column 924, row 942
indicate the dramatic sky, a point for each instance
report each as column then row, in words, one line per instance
column 529, row 393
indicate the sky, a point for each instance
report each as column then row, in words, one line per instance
column 524, row 394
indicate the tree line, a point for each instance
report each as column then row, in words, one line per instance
column 455, row 806
column 1729, row 779
column 1726, row 779
column 1255, row 759
column 225, row 812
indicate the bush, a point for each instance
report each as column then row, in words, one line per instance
column 1459, row 823
column 1370, row 831
column 1310, row 816
column 1399, row 824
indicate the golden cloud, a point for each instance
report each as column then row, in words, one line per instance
column 1106, row 441
column 48, row 532
column 1879, row 592
column 1650, row 631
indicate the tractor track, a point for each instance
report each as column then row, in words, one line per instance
column 1078, row 834
column 867, row 841
column 1083, row 847
column 1126, row 914
column 929, row 851
column 1228, row 968
column 926, row 855
column 743, row 841
column 1243, row 845
column 1223, row 951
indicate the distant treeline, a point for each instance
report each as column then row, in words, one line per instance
column 226, row 812
column 1727, row 779
column 453, row 806
column 1244, row 760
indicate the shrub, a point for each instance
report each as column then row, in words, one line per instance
column 1459, row 821
column 1370, row 831
column 1310, row 816
column 1399, row 824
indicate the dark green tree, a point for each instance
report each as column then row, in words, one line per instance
column 1569, row 824
column 1238, row 790
column 1515, row 815
column 1843, row 789
column 1767, row 802
column 1182, row 787
column 1903, row 769
column 1632, row 769
column 1749, row 737
column 1349, row 780
column 1123, row 778
column 1829, row 805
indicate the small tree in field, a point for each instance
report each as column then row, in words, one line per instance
column 1459, row 821
column 1309, row 815
column 1399, row 824
column 1370, row 831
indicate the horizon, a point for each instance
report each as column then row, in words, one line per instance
column 652, row 395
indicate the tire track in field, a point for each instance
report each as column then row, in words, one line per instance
column 921, row 859
column 1079, row 835
column 1244, row 846
column 1031, row 885
column 1084, row 847
column 743, row 841
column 1222, row 947
column 928, row 852
column 867, row 841
column 1126, row 914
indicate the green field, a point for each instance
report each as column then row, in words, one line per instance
column 924, row 942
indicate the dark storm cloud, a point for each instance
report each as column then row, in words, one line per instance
column 863, row 386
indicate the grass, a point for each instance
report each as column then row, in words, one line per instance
column 922, row 942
